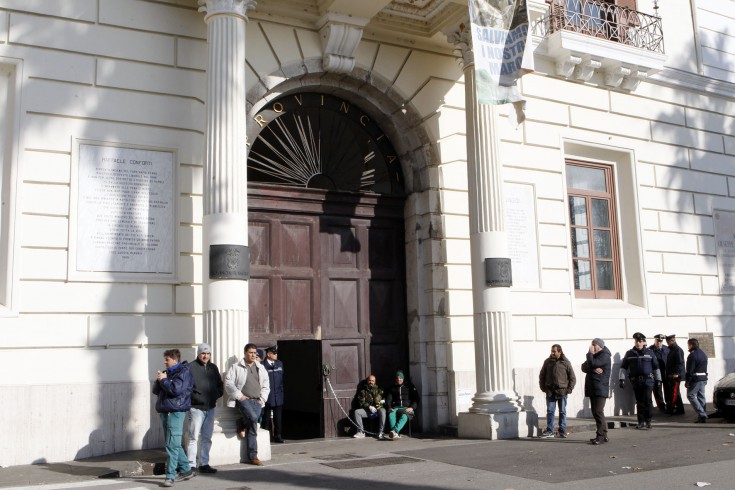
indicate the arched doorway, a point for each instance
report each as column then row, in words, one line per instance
column 325, row 205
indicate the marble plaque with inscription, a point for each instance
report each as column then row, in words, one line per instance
column 125, row 210
column 520, row 227
column 725, row 246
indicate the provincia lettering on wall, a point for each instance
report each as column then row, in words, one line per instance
column 499, row 35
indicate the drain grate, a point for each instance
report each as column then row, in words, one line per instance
column 368, row 463
column 337, row 457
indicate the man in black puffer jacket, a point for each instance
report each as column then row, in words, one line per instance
column 597, row 385
column 173, row 387
column 208, row 388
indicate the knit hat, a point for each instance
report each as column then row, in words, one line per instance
column 599, row 342
column 260, row 353
column 203, row 348
column 671, row 337
column 399, row 374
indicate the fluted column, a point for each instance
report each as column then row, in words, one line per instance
column 225, row 222
column 225, row 302
column 492, row 317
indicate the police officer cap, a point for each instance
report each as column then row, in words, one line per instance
column 639, row 336
column 272, row 348
column 660, row 336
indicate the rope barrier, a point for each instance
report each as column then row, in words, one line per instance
column 331, row 390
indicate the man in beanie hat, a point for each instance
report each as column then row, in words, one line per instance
column 208, row 388
column 597, row 385
column 402, row 401
column 675, row 371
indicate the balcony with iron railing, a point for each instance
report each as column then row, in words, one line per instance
column 584, row 37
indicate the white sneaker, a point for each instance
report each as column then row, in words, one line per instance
column 359, row 435
column 381, row 436
column 392, row 435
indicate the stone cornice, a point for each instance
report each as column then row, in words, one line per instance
column 692, row 81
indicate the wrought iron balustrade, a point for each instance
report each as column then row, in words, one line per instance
column 604, row 20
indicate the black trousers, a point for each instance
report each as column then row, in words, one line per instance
column 658, row 395
column 597, row 404
column 276, row 418
column 673, row 400
column 643, row 402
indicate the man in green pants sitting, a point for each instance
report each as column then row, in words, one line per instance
column 401, row 401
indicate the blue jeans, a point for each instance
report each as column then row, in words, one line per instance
column 250, row 410
column 551, row 404
column 200, row 422
column 695, row 394
column 173, row 429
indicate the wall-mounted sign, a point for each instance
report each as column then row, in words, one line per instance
column 725, row 245
column 125, row 210
column 520, row 228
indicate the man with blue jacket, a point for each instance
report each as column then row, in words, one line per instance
column 173, row 387
column 696, row 379
column 273, row 411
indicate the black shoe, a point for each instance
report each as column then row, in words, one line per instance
column 599, row 440
column 640, row 426
column 648, row 425
column 701, row 420
column 185, row 475
column 278, row 439
column 205, row 468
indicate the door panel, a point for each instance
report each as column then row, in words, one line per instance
column 329, row 268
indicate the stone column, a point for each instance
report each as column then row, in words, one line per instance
column 496, row 411
column 225, row 222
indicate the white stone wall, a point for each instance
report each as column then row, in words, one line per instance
column 132, row 72
column 79, row 356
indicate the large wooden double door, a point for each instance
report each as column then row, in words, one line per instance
column 328, row 286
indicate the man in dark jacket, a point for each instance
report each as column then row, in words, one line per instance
column 640, row 366
column 208, row 388
column 696, row 379
column 402, row 401
column 675, row 372
column 597, row 385
column 173, row 387
column 661, row 351
column 274, row 404
column 556, row 380
column 370, row 399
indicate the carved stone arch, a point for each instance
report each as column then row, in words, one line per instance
column 373, row 94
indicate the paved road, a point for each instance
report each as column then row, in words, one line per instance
column 679, row 454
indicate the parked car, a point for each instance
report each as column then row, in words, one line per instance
column 724, row 396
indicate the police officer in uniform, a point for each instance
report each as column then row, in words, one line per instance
column 675, row 371
column 640, row 366
column 661, row 351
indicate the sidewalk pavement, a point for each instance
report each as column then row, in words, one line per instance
column 146, row 463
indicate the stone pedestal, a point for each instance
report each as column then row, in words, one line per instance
column 505, row 425
column 227, row 448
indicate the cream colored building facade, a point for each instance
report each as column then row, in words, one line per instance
column 81, row 345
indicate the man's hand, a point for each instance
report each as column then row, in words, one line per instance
column 161, row 375
column 622, row 383
column 409, row 410
column 373, row 409
column 598, row 370
column 675, row 376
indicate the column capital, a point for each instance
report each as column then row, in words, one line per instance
column 237, row 8
column 460, row 36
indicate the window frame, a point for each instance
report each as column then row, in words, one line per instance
column 610, row 197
